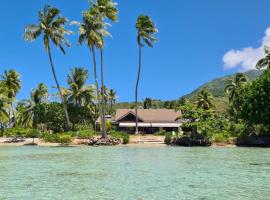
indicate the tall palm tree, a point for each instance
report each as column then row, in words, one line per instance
column 240, row 80
column 145, row 30
column 205, row 100
column 112, row 98
column 264, row 62
column 10, row 84
column 78, row 92
column 106, row 9
column 51, row 25
column 40, row 94
column 91, row 32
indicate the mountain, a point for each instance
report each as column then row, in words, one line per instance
column 217, row 86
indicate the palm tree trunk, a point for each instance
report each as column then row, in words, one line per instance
column 92, row 49
column 59, row 89
column 136, row 91
column 13, row 112
column 103, row 122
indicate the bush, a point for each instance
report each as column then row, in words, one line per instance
column 120, row 135
column 219, row 138
column 52, row 138
column 65, row 139
column 85, row 134
column 58, row 138
column 168, row 138
column 33, row 133
column 20, row 132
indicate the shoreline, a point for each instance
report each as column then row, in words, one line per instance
column 82, row 143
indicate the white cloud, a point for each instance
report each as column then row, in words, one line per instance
column 246, row 58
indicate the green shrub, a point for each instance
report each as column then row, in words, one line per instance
column 85, row 134
column 32, row 133
column 52, row 138
column 168, row 138
column 58, row 138
column 65, row 139
column 121, row 135
column 16, row 132
column 219, row 138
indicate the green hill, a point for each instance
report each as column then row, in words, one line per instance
column 217, row 86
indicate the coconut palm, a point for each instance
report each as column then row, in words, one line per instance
column 145, row 30
column 10, row 85
column 79, row 93
column 112, row 98
column 4, row 116
column 40, row 94
column 205, row 100
column 240, row 80
column 51, row 25
column 264, row 62
column 25, row 114
column 91, row 31
column 26, row 107
column 105, row 9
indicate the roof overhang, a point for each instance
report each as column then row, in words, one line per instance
column 144, row 124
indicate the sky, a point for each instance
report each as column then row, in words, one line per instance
column 197, row 42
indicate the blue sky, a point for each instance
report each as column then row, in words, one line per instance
column 197, row 42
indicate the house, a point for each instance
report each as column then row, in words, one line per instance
column 149, row 120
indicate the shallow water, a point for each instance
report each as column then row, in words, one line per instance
column 134, row 173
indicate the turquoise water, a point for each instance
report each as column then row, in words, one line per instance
column 134, row 173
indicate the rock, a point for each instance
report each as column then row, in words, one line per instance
column 108, row 141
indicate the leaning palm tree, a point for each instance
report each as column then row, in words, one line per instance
column 105, row 9
column 145, row 30
column 205, row 100
column 78, row 93
column 240, row 80
column 10, row 84
column 52, row 27
column 91, row 32
column 264, row 62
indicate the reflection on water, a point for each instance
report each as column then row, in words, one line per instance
column 134, row 173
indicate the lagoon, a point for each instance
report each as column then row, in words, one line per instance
column 134, row 173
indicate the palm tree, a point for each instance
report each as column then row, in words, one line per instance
column 4, row 116
column 52, row 26
column 147, row 103
column 240, row 80
column 78, row 93
column 105, row 9
column 10, row 84
column 205, row 100
column 26, row 107
column 264, row 62
column 91, row 32
column 40, row 94
column 25, row 115
column 112, row 98
column 145, row 30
